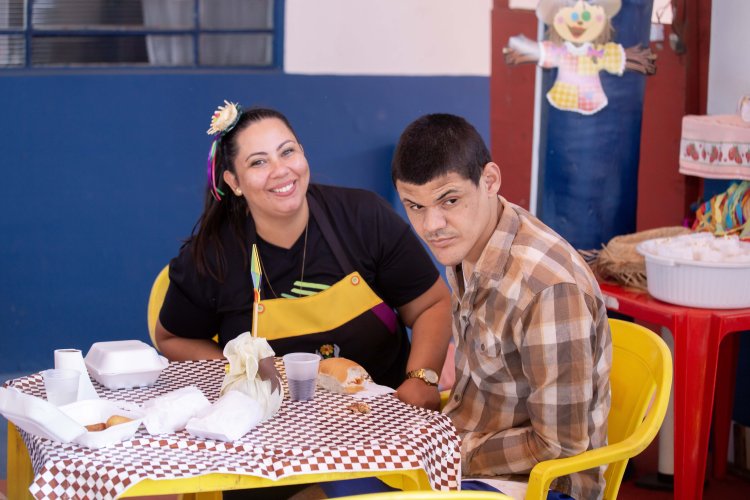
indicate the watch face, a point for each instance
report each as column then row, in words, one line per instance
column 430, row 376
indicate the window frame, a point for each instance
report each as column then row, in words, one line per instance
column 29, row 32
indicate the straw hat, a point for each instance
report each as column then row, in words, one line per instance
column 620, row 262
column 547, row 9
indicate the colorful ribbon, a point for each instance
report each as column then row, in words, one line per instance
column 215, row 191
column 726, row 213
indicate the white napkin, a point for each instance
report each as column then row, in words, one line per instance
column 244, row 354
column 228, row 419
column 170, row 412
column 372, row 390
column 73, row 359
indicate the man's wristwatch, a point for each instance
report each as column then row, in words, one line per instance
column 429, row 377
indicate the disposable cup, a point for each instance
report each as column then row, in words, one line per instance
column 301, row 374
column 61, row 385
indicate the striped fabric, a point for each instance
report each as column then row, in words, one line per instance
column 533, row 354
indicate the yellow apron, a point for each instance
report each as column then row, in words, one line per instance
column 348, row 316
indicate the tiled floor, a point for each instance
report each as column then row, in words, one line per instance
column 730, row 488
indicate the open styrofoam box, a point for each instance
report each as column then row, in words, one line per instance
column 67, row 423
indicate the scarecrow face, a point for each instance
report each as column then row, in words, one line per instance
column 580, row 23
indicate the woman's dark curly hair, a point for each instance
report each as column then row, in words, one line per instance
column 231, row 209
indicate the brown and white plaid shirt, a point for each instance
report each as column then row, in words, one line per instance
column 533, row 355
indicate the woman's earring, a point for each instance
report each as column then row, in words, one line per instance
column 238, row 192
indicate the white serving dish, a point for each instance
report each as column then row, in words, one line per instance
column 122, row 364
column 67, row 423
column 93, row 411
column 686, row 282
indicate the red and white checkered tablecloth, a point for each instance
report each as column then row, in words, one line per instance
column 303, row 437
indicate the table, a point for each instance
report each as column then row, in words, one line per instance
column 305, row 442
column 705, row 367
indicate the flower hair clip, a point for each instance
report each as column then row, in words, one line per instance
column 223, row 120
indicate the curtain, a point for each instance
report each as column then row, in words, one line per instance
column 214, row 49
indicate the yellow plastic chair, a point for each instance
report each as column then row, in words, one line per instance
column 155, row 300
column 430, row 495
column 641, row 372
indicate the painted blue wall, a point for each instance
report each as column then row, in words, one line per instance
column 103, row 176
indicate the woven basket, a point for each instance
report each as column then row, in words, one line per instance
column 618, row 260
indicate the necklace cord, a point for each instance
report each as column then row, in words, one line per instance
column 302, row 274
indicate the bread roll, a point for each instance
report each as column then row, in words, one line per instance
column 96, row 427
column 341, row 375
column 117, row 419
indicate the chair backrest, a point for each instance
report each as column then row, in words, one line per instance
column 430, row 495
column 641, row 373
column 155, row 300
column 641, row 378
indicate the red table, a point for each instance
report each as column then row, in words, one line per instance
column 701, row 359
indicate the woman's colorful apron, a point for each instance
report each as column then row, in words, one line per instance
column 348, row 315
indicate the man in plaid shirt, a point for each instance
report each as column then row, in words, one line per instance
column 533, row 346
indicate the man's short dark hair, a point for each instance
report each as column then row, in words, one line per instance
column 438, row 144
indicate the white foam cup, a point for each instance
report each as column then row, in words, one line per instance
column 61, row 385
column 301, row 374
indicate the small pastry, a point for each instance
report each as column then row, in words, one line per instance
column 117, row 419
column 359, row 407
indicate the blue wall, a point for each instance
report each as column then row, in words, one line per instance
column 103, row 177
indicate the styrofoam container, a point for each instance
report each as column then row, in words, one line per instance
column 122, row 364
column 38, row 416
column 94, row 411
column 685, row 282
column 67, row 423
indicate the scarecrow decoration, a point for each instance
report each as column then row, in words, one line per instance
column 580, row 45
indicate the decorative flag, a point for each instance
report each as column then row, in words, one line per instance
column 256, row 274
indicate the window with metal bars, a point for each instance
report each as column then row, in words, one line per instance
column 140, row 33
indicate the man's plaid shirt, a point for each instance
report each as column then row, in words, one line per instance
column 533, row 355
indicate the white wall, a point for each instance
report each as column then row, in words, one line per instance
column 388, row 37
column 729, row 64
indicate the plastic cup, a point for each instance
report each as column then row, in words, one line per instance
column 61, row 385
column 301, row 374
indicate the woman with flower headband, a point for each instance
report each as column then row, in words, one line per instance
column 342, row 273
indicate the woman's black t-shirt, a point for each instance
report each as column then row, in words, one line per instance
column 379, row 244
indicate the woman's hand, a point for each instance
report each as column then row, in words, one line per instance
column 415, row 392
column 176, row 348
column 267, row 371
column 429, row 317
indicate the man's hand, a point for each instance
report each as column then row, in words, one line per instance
column 415, row 392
